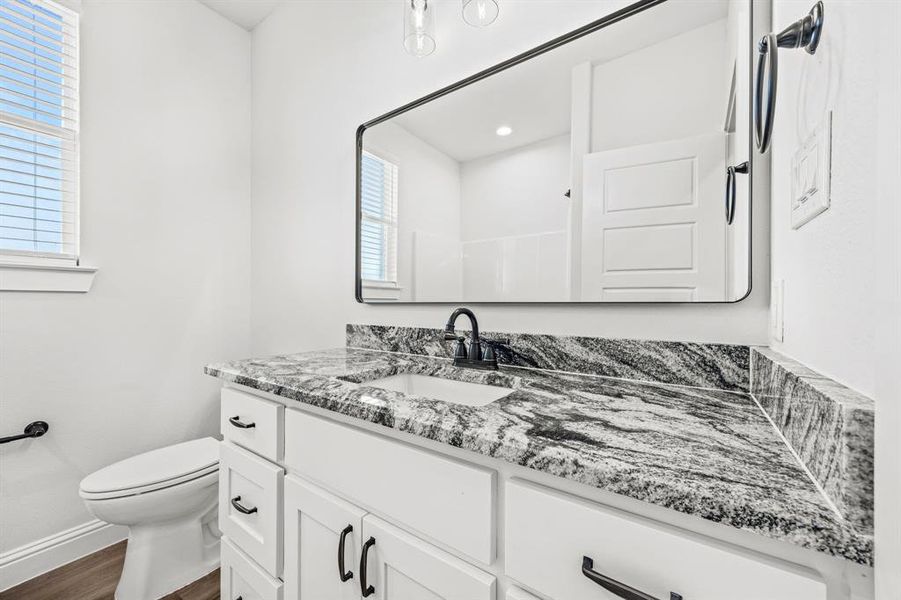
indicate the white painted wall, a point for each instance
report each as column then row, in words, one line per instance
column 887, row 261
column 674, row 89
column 517, row 192
column 428, row 197
column 514, row 222
column 165, row 212
column 828, row 265
column 313, row 85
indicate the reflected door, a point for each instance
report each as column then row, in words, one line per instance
column 653, row 222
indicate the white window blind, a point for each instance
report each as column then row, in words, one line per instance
column 38, row 129
column 378, row 225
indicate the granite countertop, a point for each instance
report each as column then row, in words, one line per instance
column 708, row 453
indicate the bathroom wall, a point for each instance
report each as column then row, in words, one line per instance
column 165, row 212
column 314, row 82
column 514, row 223
column 517, row 192
column 829, row 266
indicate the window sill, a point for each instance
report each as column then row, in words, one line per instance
column 45, row 278
column 373, row 290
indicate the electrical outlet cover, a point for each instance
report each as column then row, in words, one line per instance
column 777, row 310
column 811, row 173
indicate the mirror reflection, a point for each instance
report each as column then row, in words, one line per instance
column 598, row 171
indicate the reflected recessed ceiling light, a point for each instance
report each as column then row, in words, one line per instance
column 504, row 130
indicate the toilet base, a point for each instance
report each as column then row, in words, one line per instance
column 163, row 557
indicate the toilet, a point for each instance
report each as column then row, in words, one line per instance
column 168, row 499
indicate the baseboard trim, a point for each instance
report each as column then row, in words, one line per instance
column 29, row 561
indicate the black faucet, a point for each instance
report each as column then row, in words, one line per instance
column 473, row 357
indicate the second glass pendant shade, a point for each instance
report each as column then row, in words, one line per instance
column 480, row 13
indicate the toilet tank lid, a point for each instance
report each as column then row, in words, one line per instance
column 153, row 467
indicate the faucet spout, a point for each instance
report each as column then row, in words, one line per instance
column 452, row 322
column 474, row 357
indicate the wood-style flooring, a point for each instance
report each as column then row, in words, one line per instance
column 94, row 577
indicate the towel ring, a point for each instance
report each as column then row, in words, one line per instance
column 803, row 33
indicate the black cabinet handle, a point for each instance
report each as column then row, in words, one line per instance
column 613, row 586
column 236, row 502
column 365, row 588
column 236, row 421
column 342, row 573
column 731, row 171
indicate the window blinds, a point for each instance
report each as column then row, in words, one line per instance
column 378, row 223
column 38, row 129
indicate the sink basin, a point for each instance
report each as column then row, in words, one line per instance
column 446, row 390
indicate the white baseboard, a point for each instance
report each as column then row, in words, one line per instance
column 31, row 560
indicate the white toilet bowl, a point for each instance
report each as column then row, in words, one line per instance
column 168, row 500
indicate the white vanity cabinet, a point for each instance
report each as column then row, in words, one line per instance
column 341, row 501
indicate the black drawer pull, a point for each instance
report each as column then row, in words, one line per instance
column 613, row 586
column 236, row 421
column 236, row 502
column 342, row 572
column 365, row 588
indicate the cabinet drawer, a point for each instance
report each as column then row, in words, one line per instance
column 253, row 423
column 444, row 500
column 250, row 505
column 548, row 534
column 241, row 578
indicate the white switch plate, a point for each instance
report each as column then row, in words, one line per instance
column 811, row 173
column 777, row 311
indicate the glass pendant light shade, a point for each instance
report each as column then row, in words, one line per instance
column 480, row 13
column 419, row 27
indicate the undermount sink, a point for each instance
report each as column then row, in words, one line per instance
column 446, row 390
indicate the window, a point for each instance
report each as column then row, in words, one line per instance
column 38, row 132
column 378, row 225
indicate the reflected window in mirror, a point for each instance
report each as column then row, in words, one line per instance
column 378, row 227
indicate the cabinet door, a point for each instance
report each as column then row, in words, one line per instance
column 401, row 567
column 315, row 522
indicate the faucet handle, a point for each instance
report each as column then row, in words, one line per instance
column 489, row 355
column 460, row 350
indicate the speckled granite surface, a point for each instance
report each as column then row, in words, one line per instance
column 707, row 453
column 830, row 426
column 719, row 366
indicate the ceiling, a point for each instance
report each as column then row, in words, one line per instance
column 246, row 13
column 534, row 98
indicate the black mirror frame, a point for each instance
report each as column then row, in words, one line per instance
column 614, row 17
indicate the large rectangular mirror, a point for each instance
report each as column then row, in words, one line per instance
column 609, row 165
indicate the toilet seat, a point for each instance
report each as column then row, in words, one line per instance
column 154, row 470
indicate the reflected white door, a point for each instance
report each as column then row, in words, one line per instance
column 653, row 222
column 314, row 523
